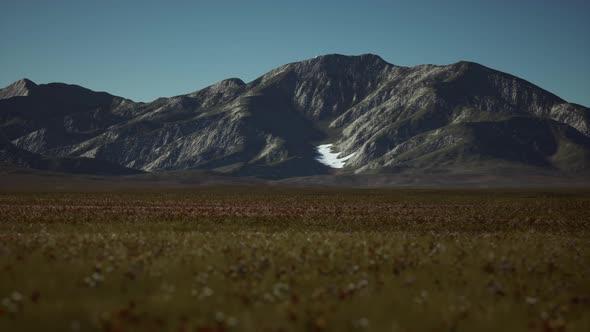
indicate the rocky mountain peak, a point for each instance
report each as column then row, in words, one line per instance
column 228, row 84
column 22, row 87
column 341, row 58
column 26, row 82
column 339, row 62
column 233, row 82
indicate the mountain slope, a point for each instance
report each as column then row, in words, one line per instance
column 20, row 88
column 14, row 157
column 392, row 118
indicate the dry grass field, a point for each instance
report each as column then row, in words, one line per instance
column 277, row 259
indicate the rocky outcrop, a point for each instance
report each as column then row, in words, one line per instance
column 20, row 88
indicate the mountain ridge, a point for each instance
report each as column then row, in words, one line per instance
column 388, row 116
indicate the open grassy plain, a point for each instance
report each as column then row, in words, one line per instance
column 278, row 259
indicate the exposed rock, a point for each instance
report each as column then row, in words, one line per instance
column 20, row 88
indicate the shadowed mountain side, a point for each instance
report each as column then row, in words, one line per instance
column 527, row 141
column 12, row 156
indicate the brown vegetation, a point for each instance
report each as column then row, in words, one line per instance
column 220, row 258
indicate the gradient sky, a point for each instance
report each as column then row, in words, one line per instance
column 147, row 49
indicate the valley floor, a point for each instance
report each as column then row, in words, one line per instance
column 222, row 258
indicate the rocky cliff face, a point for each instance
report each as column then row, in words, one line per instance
column 20, row 88
column 389, row 117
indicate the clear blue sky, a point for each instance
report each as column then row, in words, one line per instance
column 146, row 49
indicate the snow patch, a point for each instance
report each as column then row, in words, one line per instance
column 329, row 158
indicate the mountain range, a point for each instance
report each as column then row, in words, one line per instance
column 368, row 116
